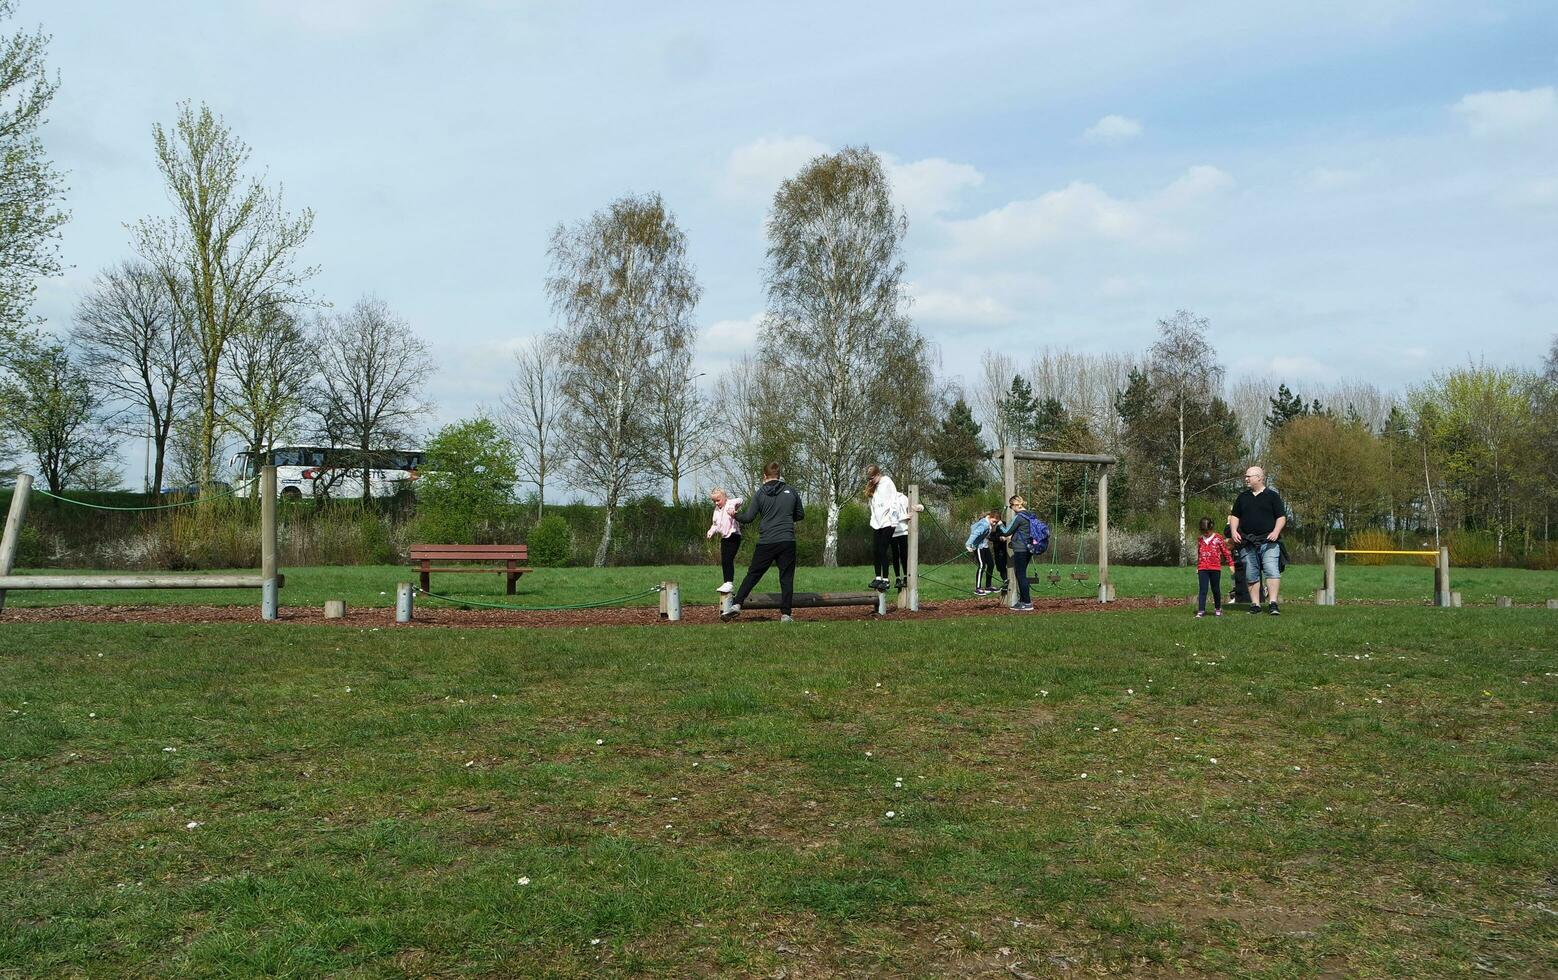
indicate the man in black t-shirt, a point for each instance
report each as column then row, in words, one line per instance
column 1257, row 521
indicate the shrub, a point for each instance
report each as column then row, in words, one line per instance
column 469, row 482
column 551, row 542
column 1372, row 539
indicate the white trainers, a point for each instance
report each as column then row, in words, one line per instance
column 786, row 618
column 730, row 613
column 722, row 590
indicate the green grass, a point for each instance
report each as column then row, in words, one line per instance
column 374, row 585
column 712, row 800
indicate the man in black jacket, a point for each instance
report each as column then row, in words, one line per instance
column 779, row 506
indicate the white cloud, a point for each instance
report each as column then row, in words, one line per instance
column 756, row 170
column 729, row 339
column 1083, row 210
column 1112, row 129
column 957, row 307
column 930, row 186
column 1510, row 112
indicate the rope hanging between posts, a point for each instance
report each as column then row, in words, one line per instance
column 181, row 503
column 503, row 605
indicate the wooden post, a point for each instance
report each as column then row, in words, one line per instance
column 335, row 608
column 403, row 600
column 1327, row 594
column 13, row 527
column 1442, row 599
column 1504, row 602
column 909, row 596
column 670, row 602
column 270, row 597
column 1105, row 586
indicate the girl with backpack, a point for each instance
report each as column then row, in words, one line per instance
column 882, row 495
column 1027, row 540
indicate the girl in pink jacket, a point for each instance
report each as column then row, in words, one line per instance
column 729, row 532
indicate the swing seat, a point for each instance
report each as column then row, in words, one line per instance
column 1054, row 578
column 1081, row 576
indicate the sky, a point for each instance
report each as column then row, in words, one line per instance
column 1360, row 189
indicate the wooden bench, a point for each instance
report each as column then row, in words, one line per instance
column 511, row 555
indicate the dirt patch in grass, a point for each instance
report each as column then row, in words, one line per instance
column 434, row 613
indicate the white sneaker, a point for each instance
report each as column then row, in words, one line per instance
column 730, row 613
column 724, row 588
column 786, row 618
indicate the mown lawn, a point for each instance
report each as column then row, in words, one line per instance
column 1363, row 791
column 374, row 585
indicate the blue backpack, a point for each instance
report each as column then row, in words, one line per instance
column 1038, row 533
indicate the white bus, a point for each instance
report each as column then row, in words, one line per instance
column 320, row 471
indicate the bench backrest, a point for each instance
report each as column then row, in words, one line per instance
column 469, row 552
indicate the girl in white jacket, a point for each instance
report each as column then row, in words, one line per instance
column 883, row 496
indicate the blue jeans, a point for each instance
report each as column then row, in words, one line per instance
column 1260, row 562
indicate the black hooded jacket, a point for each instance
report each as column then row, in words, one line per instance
column 779, row 506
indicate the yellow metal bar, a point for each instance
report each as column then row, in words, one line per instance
column 1350, row 551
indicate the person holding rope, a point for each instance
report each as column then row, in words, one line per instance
column 779, row 507
column 882, row 494
column 1029, row 536
column 724, row 524
column 1257, row 521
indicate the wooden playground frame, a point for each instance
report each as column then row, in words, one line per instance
column 1443, row 597
column 269, row 581
column 1009, row 455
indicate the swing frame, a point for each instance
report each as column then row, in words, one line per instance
column 1009, row 455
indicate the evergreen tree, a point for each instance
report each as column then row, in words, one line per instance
column 1019, row 412
column 958, row 451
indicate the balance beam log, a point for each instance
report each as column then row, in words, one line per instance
column 811, row 600
column 27, row 582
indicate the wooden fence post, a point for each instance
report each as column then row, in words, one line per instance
column 13, row 527
column 270, row 591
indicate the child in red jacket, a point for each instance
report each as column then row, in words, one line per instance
column 1211, row 555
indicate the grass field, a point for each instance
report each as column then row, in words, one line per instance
column 1363, row 791
column 366, row 586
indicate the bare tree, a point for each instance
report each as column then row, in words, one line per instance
column 531, row 412
column 131, row 342
column 265, row 378
column 753, row 429
column 374, row 371
column 625, row 295
column 228, row 251
column 836, row 314
column 677, row 418
column 1250, row 398
column 1186, row 377
column 996, row 371
column 1086, row 385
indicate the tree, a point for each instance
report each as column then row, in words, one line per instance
column 1185, row 372
column 264, row 384
column 912, row 408
column 1286, row 406
column 373, row 371
column 1332, row 472
column 1018, row 410
column 531, row 412
column 625, row 294
column 677, row 413
column 956, row 447
column 471, row 472
column 749, row 401
column 59, row 418
column 836, row 315
column 995, row 373
column 30, row 188
column 228, row 252
column 137, row 351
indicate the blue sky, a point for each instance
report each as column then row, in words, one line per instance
column 1351, row 189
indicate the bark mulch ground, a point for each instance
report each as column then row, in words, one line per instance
column 437, row 613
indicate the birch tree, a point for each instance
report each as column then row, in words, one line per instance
column 229, row 249
column 132, row 343
column 624, row 294
column 31, row 189
column 1185, row 377
column 836, row 315
column 677, row 414
column 753, row 429
column 531, row 411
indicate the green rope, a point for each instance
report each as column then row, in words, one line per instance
column 181, row 503
column 504, row 605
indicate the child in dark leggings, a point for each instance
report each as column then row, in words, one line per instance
column 1211, row 555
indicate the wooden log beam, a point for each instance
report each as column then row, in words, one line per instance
column 810, row 600
column 38, row 582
